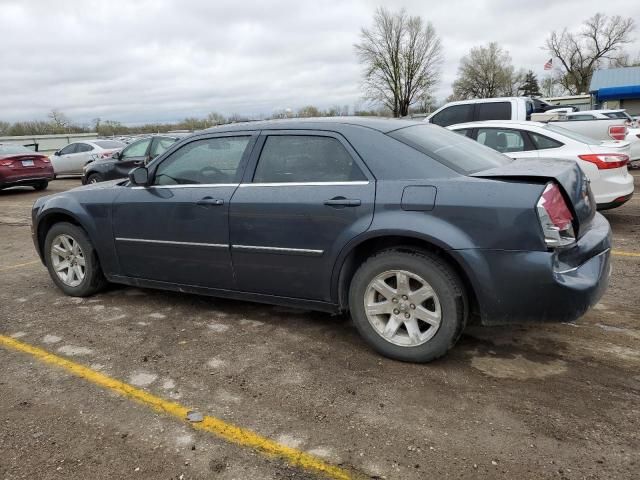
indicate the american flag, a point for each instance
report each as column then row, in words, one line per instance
column 549, row 64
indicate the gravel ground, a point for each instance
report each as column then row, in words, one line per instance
column 536, row 401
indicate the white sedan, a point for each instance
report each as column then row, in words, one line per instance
column 604, row 163
column 71, row 159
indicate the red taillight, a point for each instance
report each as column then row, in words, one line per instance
column 45, row 160
column 605, row 161
column 106, row 155
column 6, row 163
column 555, row 217
column 618, row 132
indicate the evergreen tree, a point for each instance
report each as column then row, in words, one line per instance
column 530, row 86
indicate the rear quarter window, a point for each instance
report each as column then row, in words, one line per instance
column 457, row 152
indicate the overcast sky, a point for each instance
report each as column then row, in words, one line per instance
column 163, row 60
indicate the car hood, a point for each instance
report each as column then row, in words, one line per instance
column 565, row 172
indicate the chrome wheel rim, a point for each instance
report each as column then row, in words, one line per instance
column 402, row 308
column 67, row 259
column 93, row 180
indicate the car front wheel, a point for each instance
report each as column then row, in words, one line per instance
column 407, row 305
column 72, row 261
column 94, row 178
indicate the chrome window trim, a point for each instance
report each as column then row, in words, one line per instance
column 279, row 249
column 191, row 185
column 170, row 242
column 301, row 184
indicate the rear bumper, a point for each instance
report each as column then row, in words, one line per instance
column 615, row 203
column 526, row 286
column 27, row 180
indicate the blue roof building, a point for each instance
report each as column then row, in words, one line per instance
column 617, row 88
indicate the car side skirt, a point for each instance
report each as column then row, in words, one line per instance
column 231, row 294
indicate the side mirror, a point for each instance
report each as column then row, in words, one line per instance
column 139, row 176
column 57, row 153
column 116, row 155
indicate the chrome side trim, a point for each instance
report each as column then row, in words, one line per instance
column 193, row 185
column 169, row 242
column 302, row 184
column 302, row 251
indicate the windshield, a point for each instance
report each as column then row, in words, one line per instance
column 451, row 149
column 7, row 149
column 572, row 135
column 109, row 144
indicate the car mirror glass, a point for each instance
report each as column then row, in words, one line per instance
column 139, row 176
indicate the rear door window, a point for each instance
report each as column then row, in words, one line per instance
column 493, row 111
column 305, row 159
column 453, row 114
column 503, row 140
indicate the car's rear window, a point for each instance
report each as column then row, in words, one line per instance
column 571, row 134
column 109, row 143
column 7, row 149
column 622, row 115
column 457, row 152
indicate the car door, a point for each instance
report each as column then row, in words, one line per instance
column 512, row 142
column 307, row 196
column 82, row 155
column 131, row 157
column 63, row 161
column 176, row 229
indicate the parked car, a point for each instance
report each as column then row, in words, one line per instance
column 119, row 164
column 410, row 227
column 22, row 166
column 71, row 159
column 525, row 108
column 602, row 115
column 604, row 163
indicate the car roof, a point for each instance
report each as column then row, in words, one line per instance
column 497, row 123
column 381, row 124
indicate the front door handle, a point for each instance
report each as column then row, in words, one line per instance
column 210, row 201
column 343, row 202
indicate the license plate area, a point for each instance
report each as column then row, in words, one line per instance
column 27, row 163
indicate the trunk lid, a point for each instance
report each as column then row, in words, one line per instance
column 566, row 173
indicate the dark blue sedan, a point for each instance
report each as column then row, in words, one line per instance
column 411, row 228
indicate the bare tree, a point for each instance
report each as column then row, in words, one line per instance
column 401, row 56
column 581, row 53
column 214, row 118
column 486, row 72
column 59, row 120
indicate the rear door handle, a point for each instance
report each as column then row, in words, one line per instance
column 210, row 201
column 343, row 202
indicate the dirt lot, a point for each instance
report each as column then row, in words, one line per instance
column 539, row 401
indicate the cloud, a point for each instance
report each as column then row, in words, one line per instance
column 164, row 60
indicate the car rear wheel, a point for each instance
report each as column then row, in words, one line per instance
column 408, row 306
column 41, row 185
column 72, row 261
column 94, row 178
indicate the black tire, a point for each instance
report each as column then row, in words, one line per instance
column 41, row 185
column 93, row 280
column 94, row 178
column 443, row 280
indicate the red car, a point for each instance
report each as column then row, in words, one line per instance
column 21, row 166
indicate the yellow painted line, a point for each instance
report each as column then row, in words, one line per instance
column 11, row 267
column 227, row 431
column 620, row 253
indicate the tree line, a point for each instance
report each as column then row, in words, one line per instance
column 401, row 57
